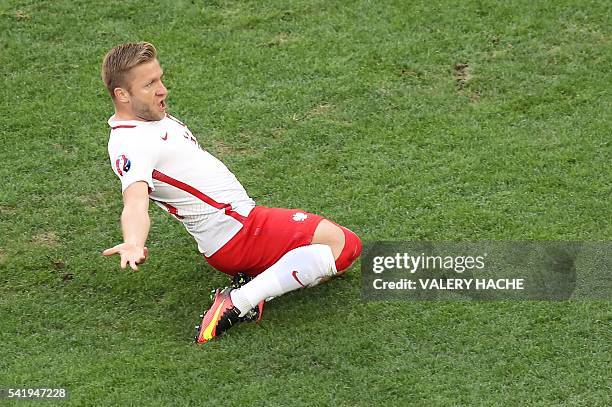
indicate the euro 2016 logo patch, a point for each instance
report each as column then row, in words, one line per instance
column 122, row 164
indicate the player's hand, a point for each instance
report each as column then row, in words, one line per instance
column 130, row 254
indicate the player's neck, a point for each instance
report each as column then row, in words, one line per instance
column 125, row 116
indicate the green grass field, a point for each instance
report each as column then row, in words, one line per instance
column 404, row 120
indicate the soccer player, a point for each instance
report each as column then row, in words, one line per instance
column 157, row 158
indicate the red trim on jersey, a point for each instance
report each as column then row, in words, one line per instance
column 176, row 120
column 171, row 209
column 123, row 126
column 198, row 194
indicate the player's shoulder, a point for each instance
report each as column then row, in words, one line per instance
column 127, row 131
column 169, row 118
column 133, row 139
column 126, row 127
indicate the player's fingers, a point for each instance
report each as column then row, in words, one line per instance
column 111, row 251
column 146, row 252
column 123, row 262
column 133, row 265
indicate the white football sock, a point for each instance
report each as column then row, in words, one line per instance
column 304, row 266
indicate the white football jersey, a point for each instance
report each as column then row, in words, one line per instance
column 185, row 180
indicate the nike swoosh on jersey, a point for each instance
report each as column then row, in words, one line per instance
column 165, row 137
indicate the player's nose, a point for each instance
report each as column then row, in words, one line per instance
column 162, row 91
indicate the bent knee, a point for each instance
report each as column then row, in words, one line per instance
column 350, row 251
column 344, row 243
column 330, row 234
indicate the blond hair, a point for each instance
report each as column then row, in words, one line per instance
column 121, row 59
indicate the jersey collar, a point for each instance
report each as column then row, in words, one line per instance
column 114, row 123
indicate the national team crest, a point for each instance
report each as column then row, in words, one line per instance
column 122, row 164
column 299, row 216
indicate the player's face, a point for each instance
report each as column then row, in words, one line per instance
column 147, row 92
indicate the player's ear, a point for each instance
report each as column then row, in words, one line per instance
column 121, row 95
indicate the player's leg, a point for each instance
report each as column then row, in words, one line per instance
column 333, row 250
column 329, row 234
column 301, row 267
column 344, row 243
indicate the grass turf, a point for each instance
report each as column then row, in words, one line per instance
column 402, row 120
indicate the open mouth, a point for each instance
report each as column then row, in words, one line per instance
column 162, row 105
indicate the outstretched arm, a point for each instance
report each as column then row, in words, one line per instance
column 135, row 226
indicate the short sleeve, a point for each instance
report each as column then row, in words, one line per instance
column 134, row 161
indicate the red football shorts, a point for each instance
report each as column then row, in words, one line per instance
column 268, row 234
